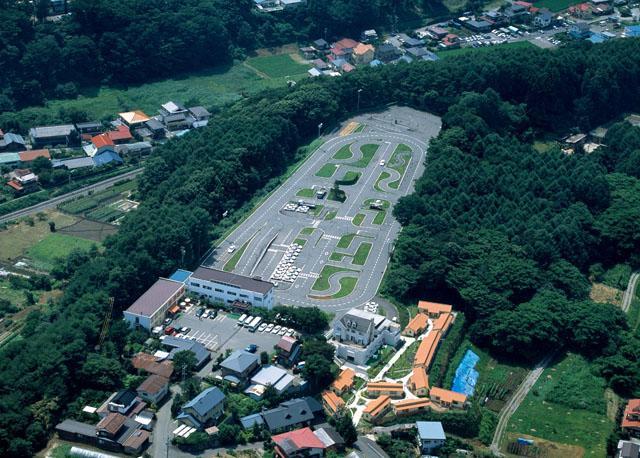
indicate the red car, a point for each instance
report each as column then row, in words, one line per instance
column 169, row 330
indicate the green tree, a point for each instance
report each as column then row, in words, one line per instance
column 184, row 363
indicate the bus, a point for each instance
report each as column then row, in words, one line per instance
column 247, row 321
column 254, row 324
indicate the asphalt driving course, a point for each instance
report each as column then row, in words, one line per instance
column 351, row 267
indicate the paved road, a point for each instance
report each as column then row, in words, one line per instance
column 55, row 201
column 509, row 409
column 369, row 448
column 627, row 297
column 267, row 233
column 163, row 428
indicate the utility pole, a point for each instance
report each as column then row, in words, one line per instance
column 182, row 252
column 319, row 129
column 359, row 91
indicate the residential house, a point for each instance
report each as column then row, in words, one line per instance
column 436, row 32
column 331, row 439
column 347, row 68
column 12, row 142
column 576, row 142
column 433, row 309
column 543, row 19
column 393, row 390
column 9, row 159
column 369, row 35
column 579, row 30
column 178, row 344
column 149, row 310
column 320, row 64
column 581, row 10
column 411, row 406
column 450, row 41
column 288, row 415
column 199, row 113
column 343, row 48
column 416, row 326
column 273, row 376
column 376, row 409
column 362, row 54
column 332, row 403
column 175, row 116
column 154, row 388
column 288, row 350
column 409, row 42
column 427, row 350
column 240, row 364
column 107, row 157
column 91, row 127
column 133, row 118
column 479, row 26
column 448, row 398
column 110, row 425
column 516, row 13
column 320, row 44
column 228, row 288
column 205, row 408
column 386, row 52
column 628, row 449
column 22, row 181
column 631, row 418
column 73, row 164
column 122, row 402
column 431, row 436
column 308, row 52
column 314, row 72
column 66, row 135
column 156, row 128
column 138, row 149
column 344, row 382
column 33, row 154
column 359, row 334
column 443, row 323
column 299, row 443
column 99, row 143
column 152, row 365
column 418, row 383
column 121, row 134
column 113, row 434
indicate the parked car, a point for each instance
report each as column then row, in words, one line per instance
column 205, row 314
column 252, row 348
column 213, row 314
column 276, row 329
column 262, row 327
column 269, row 327
column 167, row 321
column 169, row 330
column 200, row 312
column 185, row 330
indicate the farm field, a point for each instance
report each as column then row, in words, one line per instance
column 566, row 405
column 555, row 5
column 107, row 206
column 277, row 66
column 54, row 246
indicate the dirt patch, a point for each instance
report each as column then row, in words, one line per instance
column 291, row 48
column 54, row 294
column 90, row 230
column 604, row 294
column 613, row 404
column 545, row 448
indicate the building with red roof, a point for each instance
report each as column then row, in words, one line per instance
column 631, row 418
column 32, row 155
column 121, row 135
column 301, row 442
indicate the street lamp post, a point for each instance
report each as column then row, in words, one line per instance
column 359, row 91
column 319, row 129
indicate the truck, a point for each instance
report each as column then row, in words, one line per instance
column 254, row 324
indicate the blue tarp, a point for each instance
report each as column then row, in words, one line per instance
column 466, row 376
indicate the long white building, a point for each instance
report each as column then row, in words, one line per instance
column 150, row 309
column 228, row 287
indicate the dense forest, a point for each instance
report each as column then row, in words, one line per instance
column 513, row 241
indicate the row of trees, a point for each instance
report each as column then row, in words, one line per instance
column 190, row 182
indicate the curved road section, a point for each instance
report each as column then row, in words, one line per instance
column 341, row 239
column 55, row 201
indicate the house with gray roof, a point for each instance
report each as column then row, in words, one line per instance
column 65, row 134
column 288, row 415
column 205, row 408
column 431, row 436
column 12, row 142
column 240, row 364
column 229, row 288
column 178, row 344
column 359, row 334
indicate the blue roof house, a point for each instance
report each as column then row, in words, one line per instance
column 105, row 157
column 207, row 407
column 632, row 31
column 431, row 436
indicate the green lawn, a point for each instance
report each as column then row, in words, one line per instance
column 330, row 215
column 404, row 365
column 383, row 176
column 335, row 256
column 307, row 231
column 350, row 178
column 11, row 294
column 316, row 211
column 358, row 219
column 55, row 246
column 327, row 170
column 281, row 65
column 306, row 192
column 566, row 405
column 379, row 360
column 211, row 87
column 300, row 242
column 345, row 240
column 344, row 152
column 555, row 5
column 380, row 216
column 461, row 51
column 360, row 128
column 399, row 162
column 233, row 261
column 368, row 151
column 362, row 253
column 347, row 285
column 322, row 282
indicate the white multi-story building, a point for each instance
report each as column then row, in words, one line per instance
column 150, row 309
column 359, row 334
column 228, row 287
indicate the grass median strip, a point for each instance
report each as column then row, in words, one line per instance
column 344, row 153
column 368, row 152
column 327, row 170
column 306, row 192
column 345, row 240
column 362, row 253
column 233, row 261
column 358, row 219
column 347, row 285
column 383, row 176
column 322, row 282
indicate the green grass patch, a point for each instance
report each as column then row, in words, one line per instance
column 368, row 151
column 383, row 176
column 335, row 256
column 380, row 216
column 399, row 162
column 359, row 129
column 54, row 246
column 327, row 170
column 317, row 210
column 233, row 261
column 347, row 285
column 330, row 215
column 633, row 315
column 382, row 357
column 543, row 146
column 11, row 294
column 616, row 277
column 281, row 65
column 322, row 282
column 301, row 242
column 306, row 192
column 307, row 231
column 555, row 5
column 346, row 240
column 566, row 405
column 350, row 178
column 404, row 364
column 362, row 253
column 358, row 219
column 344, row 153
column 487, row 49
